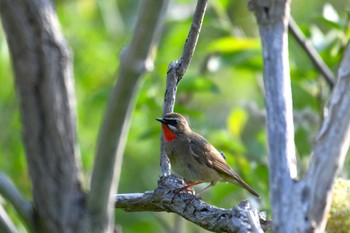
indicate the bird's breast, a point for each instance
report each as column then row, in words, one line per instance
column 168, row 134
column 186, row 165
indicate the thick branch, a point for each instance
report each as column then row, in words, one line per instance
column 312, row 53
column 44, row 83
column 273, row 17
column 24, row 208
column 110, row 148
column 176, row 70
column 311, row 196
column 330, row 148
column 242, row 218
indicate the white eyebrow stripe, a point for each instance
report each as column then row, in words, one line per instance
column 171, row 119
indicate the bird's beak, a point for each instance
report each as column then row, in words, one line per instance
column 161, row 120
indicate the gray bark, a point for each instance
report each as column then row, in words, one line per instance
column 44, row 81
column 135, row 60
column 241, row 218
column 176, row 70
column 299, row 206
column 165, row 197
column 43, row 77
column 6, row 225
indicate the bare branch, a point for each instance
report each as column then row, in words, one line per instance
column 167, row 198
column 45, row 87
column 312, row 53
column 11, row 194
column 311, row 196
column 6, row 225
column 192, row 38
column 330, row 147
column 273, row 18
column 110, row 148
column 176, row 70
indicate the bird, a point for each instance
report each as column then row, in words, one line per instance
column 194, row 158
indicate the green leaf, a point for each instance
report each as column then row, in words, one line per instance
column 190, row 84
column 234, row 44
column 236, row 121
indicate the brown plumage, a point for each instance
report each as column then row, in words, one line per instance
column 193, row 157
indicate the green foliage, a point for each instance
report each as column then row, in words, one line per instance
column 221, row 94
column 339, row 215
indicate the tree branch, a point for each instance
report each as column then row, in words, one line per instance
column 272, row 18
column 165, row 197
column 330, row 148
column 311, row 52
column 311, row 196
column 242, row 218
column 6, row 225
column 24, row 208
column 45, row 87
column 176, row 70
column 112, row 138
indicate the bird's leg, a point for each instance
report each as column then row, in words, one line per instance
column 186, row 188
column 200, row 192
column 189, row 185
column 206, row 188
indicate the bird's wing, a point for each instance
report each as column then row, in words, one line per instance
column 206, row 153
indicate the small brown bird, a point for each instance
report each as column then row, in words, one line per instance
column 193, row 157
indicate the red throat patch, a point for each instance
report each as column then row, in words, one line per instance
column 168, row 134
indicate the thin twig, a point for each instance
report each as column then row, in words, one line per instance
column 176, row 71
column 311, row 52
column 11, row 194
column 192, row 38
column 6, row 225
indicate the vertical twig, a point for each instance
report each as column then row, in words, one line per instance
column 176, row 71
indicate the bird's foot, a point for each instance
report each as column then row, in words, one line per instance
column 187, row 189
column 183, row 189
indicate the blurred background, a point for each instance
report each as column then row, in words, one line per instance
column 221, row 94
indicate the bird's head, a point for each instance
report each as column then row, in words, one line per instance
column 173, row 124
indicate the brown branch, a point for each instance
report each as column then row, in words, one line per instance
column 242, row 218
column 311, row 52
column 176, row 70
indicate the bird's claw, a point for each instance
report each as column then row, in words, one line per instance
column 183, row 189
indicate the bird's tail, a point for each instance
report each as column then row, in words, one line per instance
column 241, row 182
